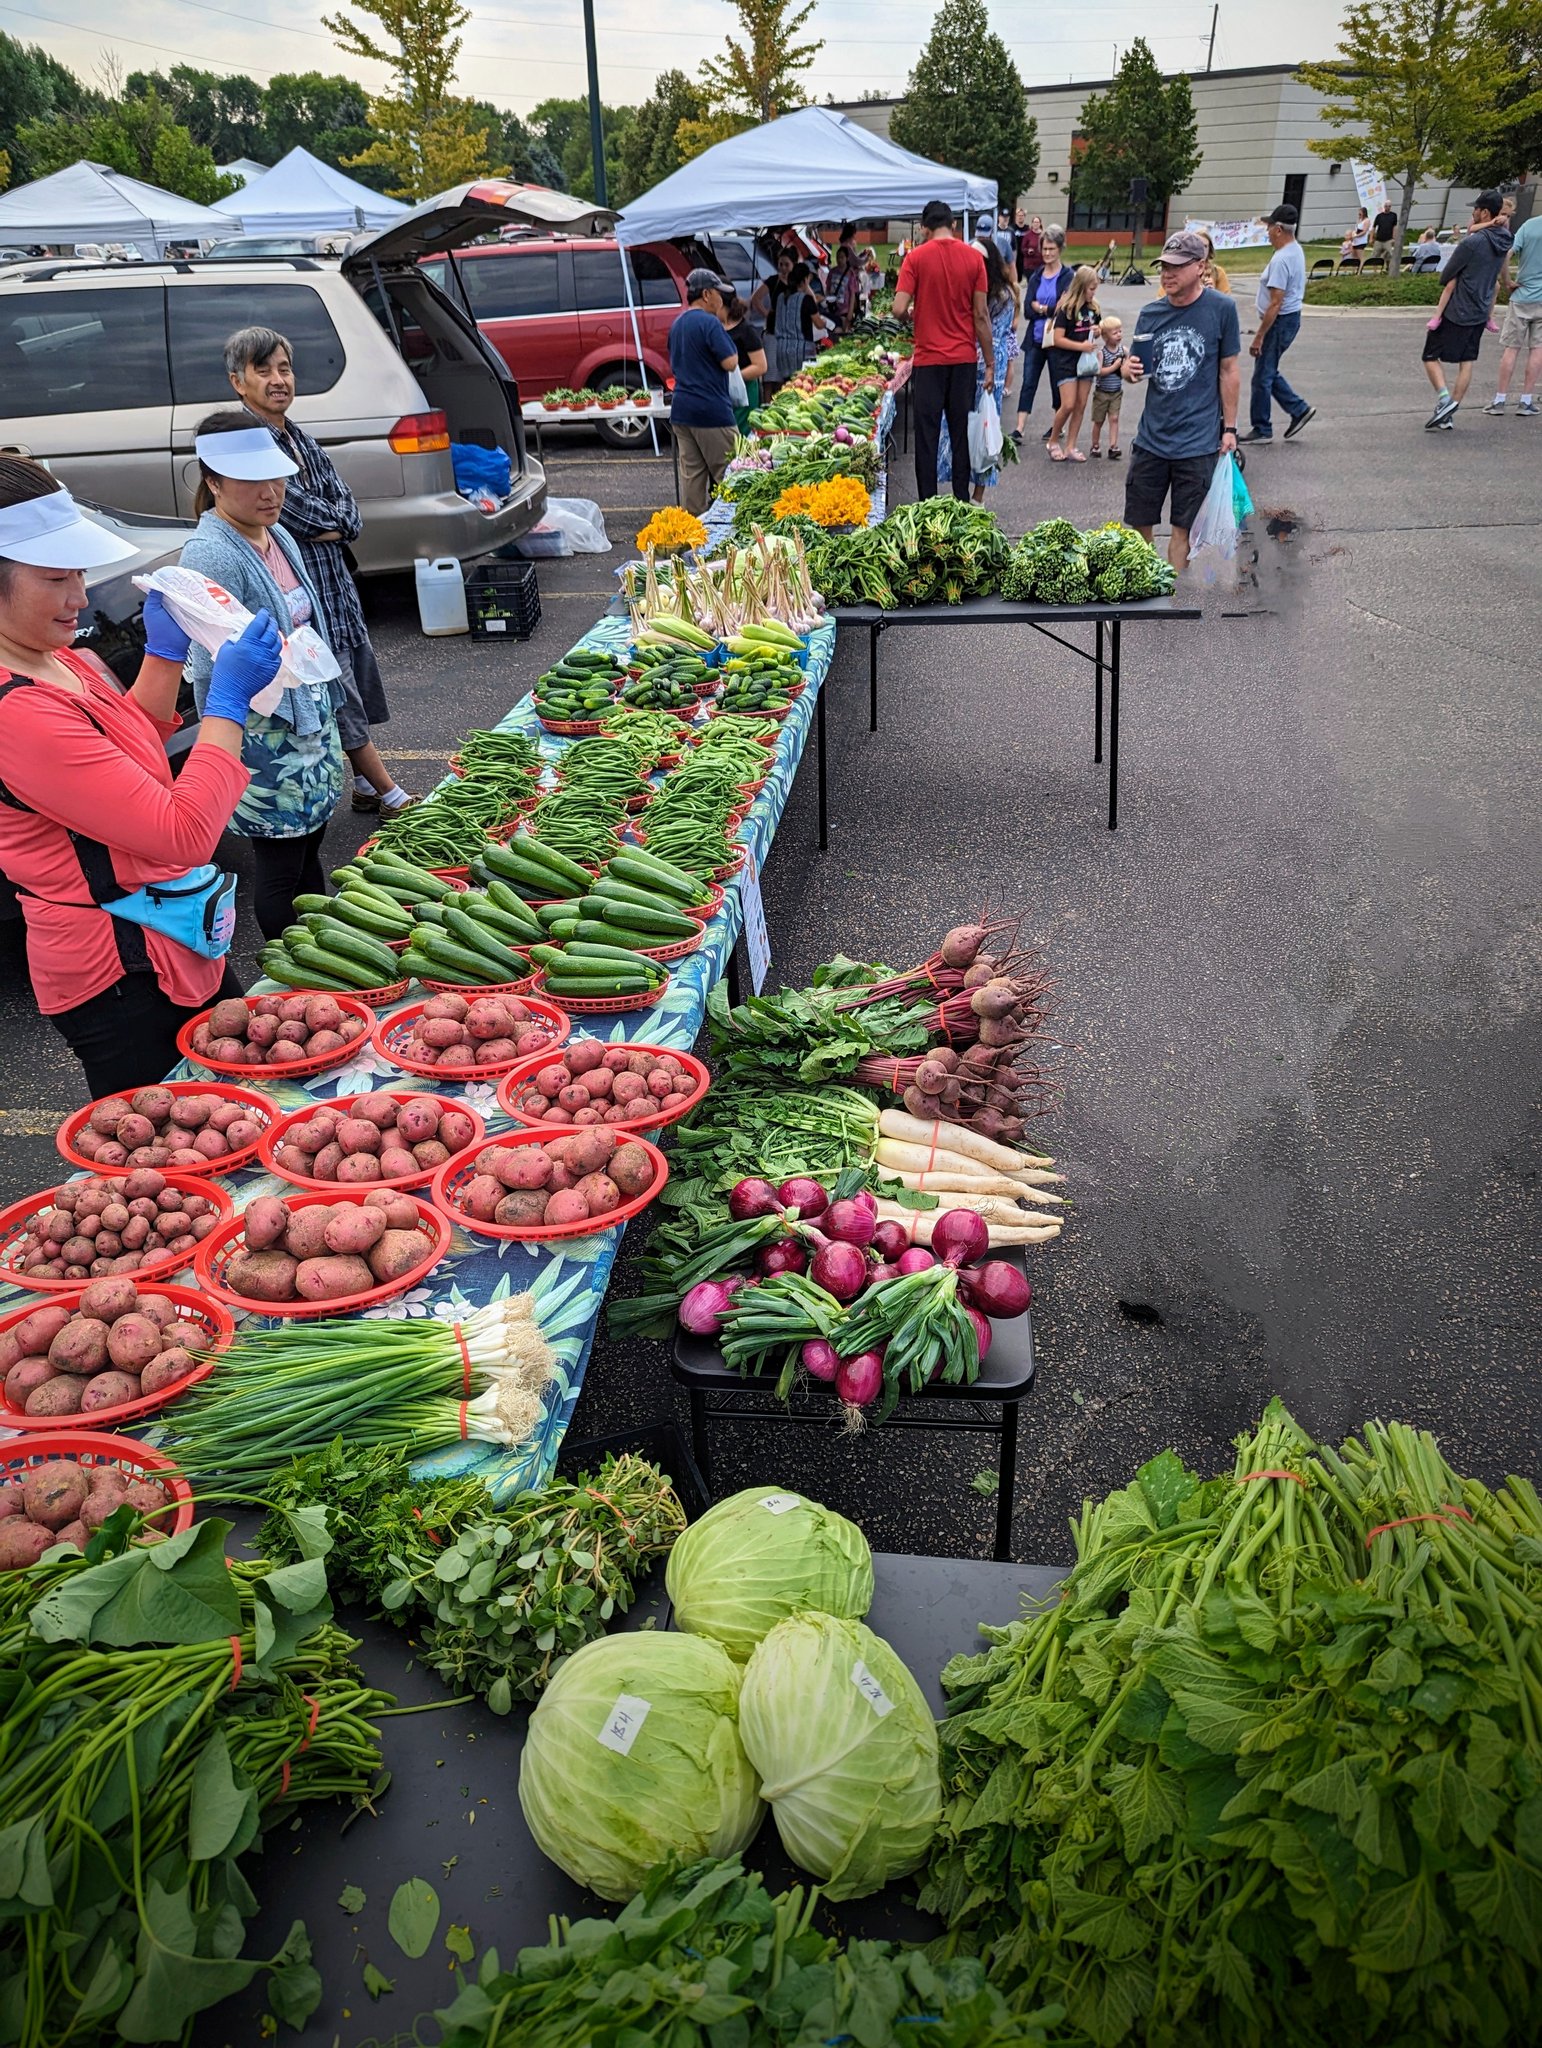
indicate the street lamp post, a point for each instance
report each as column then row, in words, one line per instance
column 596, row 119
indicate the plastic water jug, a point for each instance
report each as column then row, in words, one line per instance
column 442, row 597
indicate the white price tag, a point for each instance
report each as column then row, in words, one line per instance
column 779, row 1503
column 871, row 1690
column 756, row 941
column 623, row 1722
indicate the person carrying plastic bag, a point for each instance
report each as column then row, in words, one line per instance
column 1217, row 527
column 988, row 450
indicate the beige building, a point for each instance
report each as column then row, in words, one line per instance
column 1254, row 127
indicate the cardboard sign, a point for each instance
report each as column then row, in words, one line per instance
column 757, row 942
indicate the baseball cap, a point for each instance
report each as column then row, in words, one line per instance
column 1184, row 246
column 1283, row 217
column 52, row 532
column 705, row 280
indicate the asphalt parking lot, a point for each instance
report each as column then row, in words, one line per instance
column 1297, row 990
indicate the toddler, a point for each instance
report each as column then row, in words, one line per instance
column 1108, row 390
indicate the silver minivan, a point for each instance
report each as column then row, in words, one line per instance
column 105, row 373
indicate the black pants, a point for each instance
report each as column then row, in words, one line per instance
column 938, row 392
column 284, row 869
column 126, row 1038
column 1035, row 363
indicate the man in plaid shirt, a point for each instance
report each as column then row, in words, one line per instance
column 320, row 512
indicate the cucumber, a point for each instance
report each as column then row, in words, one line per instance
column 625, row 956
column 476, row 938
column 346, row 908
column 453, row 962
column 595, row 930
column 642, row 871
column 392, row 874
column 567, row 871
column 668, row 924
column 340, row 940
column 316, row 959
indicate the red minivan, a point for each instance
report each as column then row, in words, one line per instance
column 555, row 310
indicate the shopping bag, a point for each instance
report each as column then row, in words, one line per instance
column 985, row 436
column 1241, row 497
column 208, row 613
column 572, row 526
column 1215, row 526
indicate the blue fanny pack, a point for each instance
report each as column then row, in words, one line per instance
column 197, row 910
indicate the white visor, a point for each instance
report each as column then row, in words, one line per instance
column 53, row 533
column 248, row 454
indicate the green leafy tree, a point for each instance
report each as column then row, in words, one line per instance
column 34, row 87
column 1415, row 89
column 222, row 112
column 965, row 105
column 135, row 136
column 563, row 126
column 717, row 125
column 650, row 149
column 759, row 75
column 424, row 137
column 326, row 114
column 1515, row 150
column 1142, row 127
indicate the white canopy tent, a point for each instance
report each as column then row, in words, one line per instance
column 245, row 168
column 87, row 202
column 812, row 165
column 303, row 196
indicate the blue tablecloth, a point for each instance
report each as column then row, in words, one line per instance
column 569, row 1281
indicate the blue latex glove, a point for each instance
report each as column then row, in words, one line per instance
column 242, row 668
column 164, row 638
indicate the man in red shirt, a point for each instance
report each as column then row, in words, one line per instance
column 944, row 279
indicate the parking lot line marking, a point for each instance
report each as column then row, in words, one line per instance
column 30, row 1123
column 416, row 753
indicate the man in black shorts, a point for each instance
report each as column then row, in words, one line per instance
column 1467, row 282
column 1188, row 350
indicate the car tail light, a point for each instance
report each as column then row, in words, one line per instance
column 420, row 433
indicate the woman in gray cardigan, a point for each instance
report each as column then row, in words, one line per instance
column 293, row 753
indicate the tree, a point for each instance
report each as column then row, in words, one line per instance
column 426, row 156
column 563, row 125
column 426, row 36
column 1419, row 83
column 223, row 113
column 759, row 76
column 33, row 87
column 692, row 137
column 328, row 115
column 424, row 137
column 1142, row 127
column 965, row 105
column 137, row 137
column 1515, row 150
column 650, row 149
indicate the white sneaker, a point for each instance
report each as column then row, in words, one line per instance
column 1497, row 410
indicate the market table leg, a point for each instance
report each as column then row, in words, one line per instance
column 1097, row 697
column 819, row 730
column 1006, row 1481
column 699, row 1437
column 732, row 976
column 873, row 632
column 1113, row 732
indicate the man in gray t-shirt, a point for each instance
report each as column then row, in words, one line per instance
column 1467, row 285
column 1281, row 292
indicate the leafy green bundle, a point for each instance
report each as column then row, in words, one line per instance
column 161, row 1710
column 501, row 1593
column 1057, row 564
column 703, row 1958
column 1270, row 1763
column 939, row 551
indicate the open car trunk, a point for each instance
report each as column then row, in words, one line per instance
column 460, row 375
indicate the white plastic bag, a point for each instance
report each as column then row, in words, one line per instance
column 208, row 613
column 1215, row 526
column 984, row 436
column 738, row 390
column 572, row 526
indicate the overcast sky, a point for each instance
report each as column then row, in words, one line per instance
column 518, row 52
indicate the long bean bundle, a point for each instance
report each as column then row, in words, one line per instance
column 497, row 773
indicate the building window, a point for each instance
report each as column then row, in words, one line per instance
column 1117, row 220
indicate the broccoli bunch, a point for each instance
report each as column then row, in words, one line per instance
column 1055, row 564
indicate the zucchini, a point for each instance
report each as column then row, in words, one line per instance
column 507, row 900
column 598, row 985
column 454, row 962
column 553, row 913
column 627, row 892
column 643, row 872
column 668, row 924
column 514, row 866
column 393, row 873
column 515, row 928
column 596, row 931
column 602, row 949
column 317, row 959
column 568, row 872
column 476, row 938
column 419, row 966
column 366, row 917
column 340, row 940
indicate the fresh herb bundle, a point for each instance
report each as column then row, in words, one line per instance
column 1268, row 1767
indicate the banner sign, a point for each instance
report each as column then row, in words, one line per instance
column 1370, row 186
column 1233, row 234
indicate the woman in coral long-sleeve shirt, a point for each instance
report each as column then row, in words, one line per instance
column 88, row 808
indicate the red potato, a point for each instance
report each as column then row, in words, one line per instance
column 532, row 1039
column 80, row 1347
column 441, row 1032
column 108, row 1390
column 148, row 1496
column 573, row 1098
column 659, row 1084
column 358, row 1134
column 616, row 1058
column 396, row 1254
column 357, row 1167
column 490, row 1018
column 327, row 1161
column 262, row 1031
column 268, row 1006
column 161, row 1311
column 289, row 1159
column 600, row 1082
column 10, row 1351
column 264, row 1222
column 107, row 1114
column 600, row 1193
column 395, row 1163
column 132, row 1342
column 456, row 1130
column 553, row 1079
column 583, row 1055
column 323, row 1013
column 282, row 1051
column 454, row 1007
column 305, row 1234
column 262, row 1276
column 378, row 1109
column 53, row 1493
column 315, row 1132
column 351, row 1028
column 224, row 1114
column 480, row 1197
column 190, row 1112
column 354, row 1228
column 208, row 1145
column 34, row 1333
column 416, row 1122
column 228, row 1019
column 330, row 1279
column 562, row 1178
column 399, row 1210
column 147, row 1185
column 22, row 1543
column 293, row 1031
column 525, row 1166
column 495, row 1051
column 525, row 1207
column 243, row 1132
column 203, row 1037
column 61, row 1395
column 568, row 1206
column 135, row 1234
column 324, row 1041
column 24, row 1377
column 629, row 1087
column 429, row 1154
column 173, row 1364
column 135, row 1130
column 632, row 1170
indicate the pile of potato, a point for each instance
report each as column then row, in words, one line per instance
column 565, row 1180
column 114, row 1346
column 590, row 1083
column 374, row 1137
column 273, row 1030
column 63, row 1502
column 323, row 1251
column 112, row 1224
column 484, row 1031
column 154, row 1127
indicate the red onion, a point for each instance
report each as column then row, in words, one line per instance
column 868, row 1200
column 876, row 1275
column 785, row 1256
column 805, row 1196
column 701, row 1310
column 849, row 1223
column 997, row 1288
column 820, row 1359
column 959, row 1237
column 982, row 1332
column 752, row 1198
column 839, row 1269
column 916, row 1260
column 889, row 1240
column 860, row 1380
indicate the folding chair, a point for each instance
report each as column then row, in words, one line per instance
column 1323, row 267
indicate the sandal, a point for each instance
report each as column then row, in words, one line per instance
column 1057, row 455
column 1074, row 455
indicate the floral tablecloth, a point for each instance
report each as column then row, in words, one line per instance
column 568, row 1281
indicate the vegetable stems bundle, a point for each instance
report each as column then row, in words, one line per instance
column 416, row 1384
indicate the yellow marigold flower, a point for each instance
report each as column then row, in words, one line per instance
column 672, row 527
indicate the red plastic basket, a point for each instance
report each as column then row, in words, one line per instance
column 217, row 1249
column 391, row 1034
column 611, row 1006
column 383, row 998
column 481, row 988
column 680, row 950
column 705, row 915
column 351, row 1005
column 218, row 1329
column 88, row 1449
column 263, row 1108
column 274, row 1139
column 165, row 1264
column 729, row 868
column 452, row 1177
column 461, row 875
column 572, row 728
column 510, row 1085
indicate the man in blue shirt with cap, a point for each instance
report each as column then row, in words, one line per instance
column 701, row 413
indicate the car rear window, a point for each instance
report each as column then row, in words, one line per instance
column 83, row 351
column 597, row 280
column 512, row 285
column 204, row 316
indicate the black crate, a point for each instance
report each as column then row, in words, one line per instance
column 659, row 1442
column 503, row 598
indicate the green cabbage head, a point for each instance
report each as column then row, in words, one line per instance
column 761, row 1555
column 846, row 1749
column 633, row 1754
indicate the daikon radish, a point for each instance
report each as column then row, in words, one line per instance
column 911, row 1130
column 917, row 1225
column 974, row 1184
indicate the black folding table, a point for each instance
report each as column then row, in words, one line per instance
column 1103, row 656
